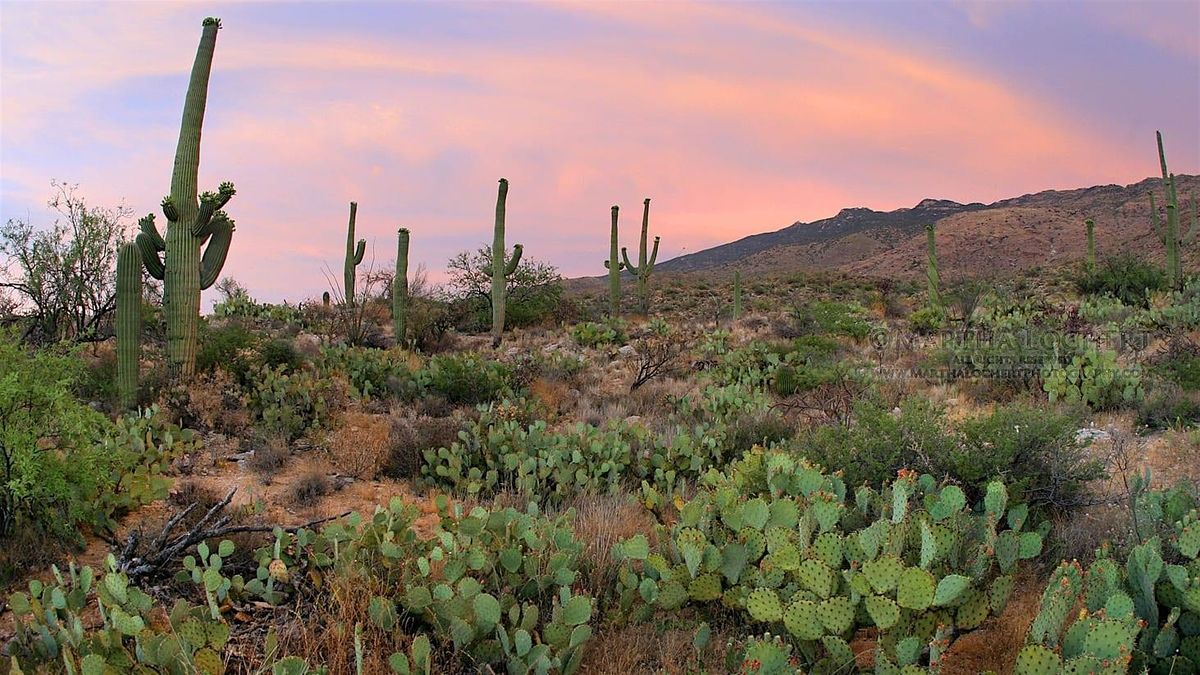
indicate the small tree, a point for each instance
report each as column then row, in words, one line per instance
column 533, row 290
column 64, row 275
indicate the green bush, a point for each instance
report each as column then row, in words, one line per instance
column 1168, row 406
column 927, row 320
column 878, row 443
column 847, row 319
column 374, row 373
column 467, row 378
column 229, row 346
column 1123, row 277
column 279, row 352
column 1034, row 450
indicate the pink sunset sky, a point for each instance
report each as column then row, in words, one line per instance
column 735, row 118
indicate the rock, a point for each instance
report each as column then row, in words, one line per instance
column 627, row 351
column 551, row 348
column 634, row 420
column 308, row 344
column 1091, row 434
column 512, row 351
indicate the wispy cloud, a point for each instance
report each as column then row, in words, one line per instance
column 734, row 118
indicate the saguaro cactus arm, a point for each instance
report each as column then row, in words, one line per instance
column 210, row 204
column 654, row 255
column 633, row 269
column 150, row 243
column 217, row 250
column 513, row 260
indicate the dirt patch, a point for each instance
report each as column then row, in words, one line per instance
column 995, row 644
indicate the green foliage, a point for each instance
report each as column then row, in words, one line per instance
column 927, row 320
column 848, row 319
column 229, row 346
column 374, row 373
column 468, row 378
column 1123, row 277
column 593, row 334
column 778, row 541
column 1094, row 377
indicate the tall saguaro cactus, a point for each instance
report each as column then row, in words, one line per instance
column 737, row 295
column 1091, row 244
column 191, row 222
column 1170, row 235
column 931, row 270
column 354, row 256
column 400, row 287
column 614, row 267
column 501, row 269
column 645, row 266
column 129, row 322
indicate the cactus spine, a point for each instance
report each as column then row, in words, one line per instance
column 737, row 295
column 644, row 267
column 400, row 287
column 501, row 269
column 129, row 322
column 1091, row 244
column 614, row 267
column 191, row 222
column 1171, row 237
column 354, row 256
column 931, row 270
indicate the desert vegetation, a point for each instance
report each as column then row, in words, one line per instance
column 725, row 472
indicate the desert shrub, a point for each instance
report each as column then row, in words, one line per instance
column 271, row 454
column 850, row 566
column 211, row 401
column 765, row 428
column 359, row 446
column 49, row 444
column 467, row 378
column 1179, row 362
column 847, row 319
column 878, row 444
column 230, row 346
column 1168, row 406
column 279, row 352
column 1092, row 376
column 308, row 489
column 411, row 437
column 1017, row 357
column 1033, row 449
column 927, row 320
column 1123, row 277
column 1101, row 309
column 374, row 373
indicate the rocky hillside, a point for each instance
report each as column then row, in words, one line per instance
column 1044, row 229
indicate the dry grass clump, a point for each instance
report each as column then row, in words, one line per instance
column 359, row 446
column 646, row 648
column 600, row 522
column 308, row 489
column 212, row 401
column 411, row 436
column 270, row 455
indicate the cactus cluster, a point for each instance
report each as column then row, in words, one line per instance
column 1169, row 232
column 645, row 266
column 503, row 266
column 807, row 555
column 1143, row 615
column 193, row 221
column 353, row 258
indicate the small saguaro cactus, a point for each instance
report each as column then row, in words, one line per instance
column 129, row 322
column 737, row 295
column 1170, row 235
column 400, row 287
column 354, row 255
column 645, row 266
column 192, row 222
column 614, row 267
column 931, row 270
column 325, row 298
column 1091, row 244
column 501, row 269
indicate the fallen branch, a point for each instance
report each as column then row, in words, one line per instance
column 167, row 547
